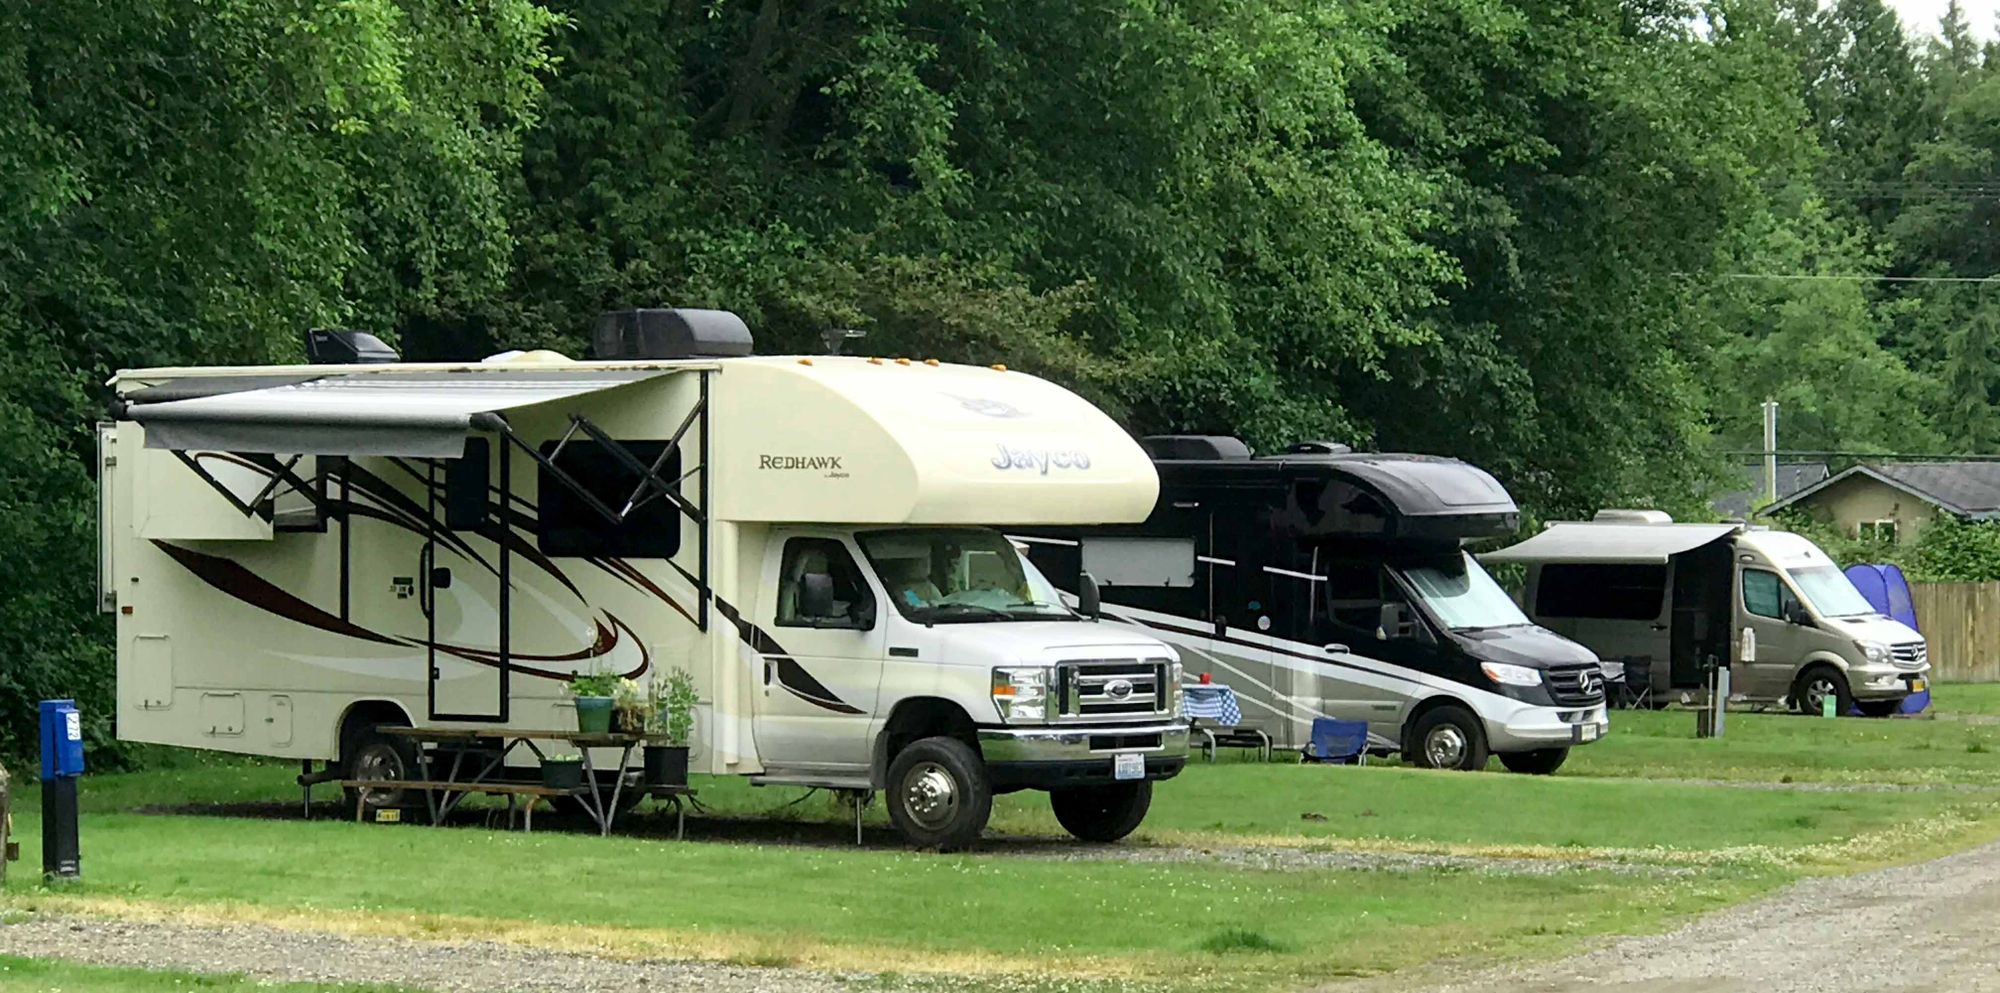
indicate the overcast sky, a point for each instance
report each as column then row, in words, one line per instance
column 1923, row 15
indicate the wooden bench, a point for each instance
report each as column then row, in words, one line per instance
column 534, row 792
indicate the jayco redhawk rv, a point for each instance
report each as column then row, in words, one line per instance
column 1320, row 582
column 301, row 554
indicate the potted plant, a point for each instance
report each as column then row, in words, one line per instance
column 670, row 713
column 593, row 695
column 562, row 772
column 628, row 708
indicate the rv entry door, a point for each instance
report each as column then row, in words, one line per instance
column 462, row 583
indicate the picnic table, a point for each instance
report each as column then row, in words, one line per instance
column 1216, row 704
column 478, row 764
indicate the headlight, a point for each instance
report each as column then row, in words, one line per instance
column 1512, row 675
column 1021, row 693
column 1173, row 688
column 1876, row 652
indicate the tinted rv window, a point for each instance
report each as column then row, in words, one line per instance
column 1607, row 592
column 570, row 526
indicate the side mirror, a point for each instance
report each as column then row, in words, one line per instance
column 816, row 595
column 1393, row 621
column 1087, row 600
column 1796, row 613
column 862, row 613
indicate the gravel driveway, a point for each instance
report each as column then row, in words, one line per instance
column 1932, row 927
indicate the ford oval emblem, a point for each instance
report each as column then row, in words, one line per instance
column 1118, row 689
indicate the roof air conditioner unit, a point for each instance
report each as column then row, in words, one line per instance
column 1194, row 447
column 326, row 346
column 681, row 333
column 1620, row 516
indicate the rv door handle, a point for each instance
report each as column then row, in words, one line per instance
column 1336, row 649
column 1659, row 627
column 441, row 578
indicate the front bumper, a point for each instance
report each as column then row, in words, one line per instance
column 1053, row 757
column 1884, row 682
column 1548, row 727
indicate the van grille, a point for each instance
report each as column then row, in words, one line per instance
column 1575, row 684
column 1910, row 655
column 1113, row 688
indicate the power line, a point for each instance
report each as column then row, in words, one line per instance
column 1869, row 456
column 1855, row 278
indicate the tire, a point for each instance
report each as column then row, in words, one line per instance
column 1447, row 737
column 368, row 754
column 1102, row 814
column 1536, row 762
column 1878, row 708
column 1815, row 683
column 938, row 794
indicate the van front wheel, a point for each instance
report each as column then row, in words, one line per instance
column 939, row 796
column 1102, row 813
column 1535, row 762
column 1815, row 685
column 1449, row 737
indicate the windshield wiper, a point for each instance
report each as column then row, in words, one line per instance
column 995, row 611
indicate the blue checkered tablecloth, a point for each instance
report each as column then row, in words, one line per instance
column 1211, row 701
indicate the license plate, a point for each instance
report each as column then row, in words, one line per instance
column 1916, row 686
column 1128, row 765
column 1586, row 732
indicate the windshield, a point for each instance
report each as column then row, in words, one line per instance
column 1830, row 592
column 1463, row 596
column 950, row 575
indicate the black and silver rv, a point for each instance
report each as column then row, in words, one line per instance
column 1324, row 582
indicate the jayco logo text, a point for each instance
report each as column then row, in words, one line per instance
column 1039, row 460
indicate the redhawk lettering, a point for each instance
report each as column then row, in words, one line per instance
column 798, row 461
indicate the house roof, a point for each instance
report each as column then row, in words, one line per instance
column 1967, row 489
column 1792, row 477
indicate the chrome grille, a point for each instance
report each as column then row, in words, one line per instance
column 1575, row 684
column 1095, row 688
column 1910, row 654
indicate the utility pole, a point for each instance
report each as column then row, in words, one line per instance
column 1770, row 451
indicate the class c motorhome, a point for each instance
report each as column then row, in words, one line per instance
column 1671, row 601
column 298, row 555
column 1319, row 582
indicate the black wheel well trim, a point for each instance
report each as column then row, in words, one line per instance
column 919, row 717
column 1431, row 703
column 374, row 710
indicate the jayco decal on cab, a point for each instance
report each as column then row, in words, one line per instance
column 1040, row 460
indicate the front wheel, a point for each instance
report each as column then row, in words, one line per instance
column 1536, row 762
column 1449, row 737
column 938, row 794
column 1818, row 683
column 1102, row 813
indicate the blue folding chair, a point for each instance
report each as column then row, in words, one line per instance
column 1339, row 742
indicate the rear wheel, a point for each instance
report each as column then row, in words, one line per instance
column 938, row 794
column 1878, row 708
column 1816, row 684
column 1537, row 762
column 366, row 753
column 1448, row 737
column 1102, row 813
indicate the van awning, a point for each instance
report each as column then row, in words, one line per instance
column 426, row 416
column 1622, row 543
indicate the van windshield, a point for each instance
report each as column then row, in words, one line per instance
column 956, row 575
column 1829, row 590
column 1463, row 596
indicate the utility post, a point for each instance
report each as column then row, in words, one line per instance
column 1770, row 451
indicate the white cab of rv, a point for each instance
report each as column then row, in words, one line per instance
column 298, row 555
column 1671, row 601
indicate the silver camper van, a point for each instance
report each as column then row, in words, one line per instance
column 1672, row 600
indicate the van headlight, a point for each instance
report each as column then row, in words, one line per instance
column 1021, row 693
column 1875, row 652
column 1512, row 675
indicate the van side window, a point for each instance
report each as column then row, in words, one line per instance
column 1601, row 592
column 852, row 600
column 569, row 526
column 1765, row 595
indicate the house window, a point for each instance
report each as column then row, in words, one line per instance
column 1883, row 531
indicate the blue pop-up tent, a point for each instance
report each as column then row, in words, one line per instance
column 1888, row 592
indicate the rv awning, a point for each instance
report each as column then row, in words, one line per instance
column 1629, row 543
column 362, row 414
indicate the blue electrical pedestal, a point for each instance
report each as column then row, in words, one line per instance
column 62, row 763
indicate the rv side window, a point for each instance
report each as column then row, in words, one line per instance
column 570, row 526
column 852, row 606
column 1161, row 562
column 1602, row 591
column 1765, row 595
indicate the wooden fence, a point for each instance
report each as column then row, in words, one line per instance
column 1962, row 623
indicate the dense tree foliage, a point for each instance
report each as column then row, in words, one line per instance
column 1575, row 241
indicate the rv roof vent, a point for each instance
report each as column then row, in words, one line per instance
column 1194, row 447
column 326, row 346
column 1317, row 448
column 670, row 334
column 1634, row 516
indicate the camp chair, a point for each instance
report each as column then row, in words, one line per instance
column 1637, row 689
column 1338, row 742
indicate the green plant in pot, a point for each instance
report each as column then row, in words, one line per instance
column 670, row 712
column 562, row 772
column 594, row 699
column 629, row 705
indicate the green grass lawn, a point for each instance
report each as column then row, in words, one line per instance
column 1775, row 747
column 1953, row 699
column 19, row 975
